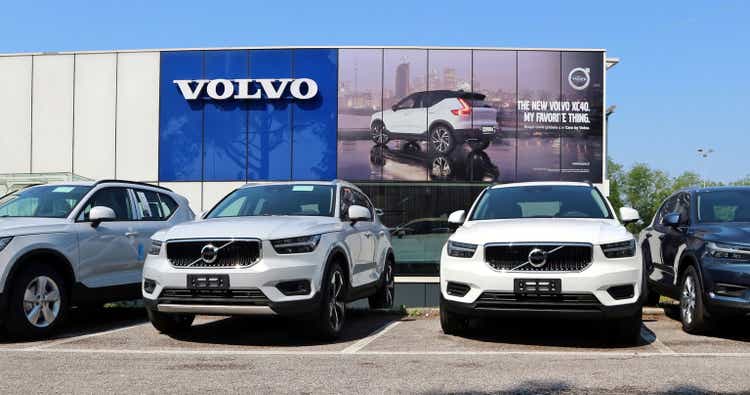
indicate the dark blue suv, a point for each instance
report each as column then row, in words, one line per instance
column 697, row 250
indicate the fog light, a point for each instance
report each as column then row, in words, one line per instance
column 621, row 292
column 149, row 285
column 296, row 287
column 457, row 289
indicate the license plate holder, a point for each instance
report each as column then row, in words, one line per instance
column 537, row 286
column 208, row 281
column 488, row 129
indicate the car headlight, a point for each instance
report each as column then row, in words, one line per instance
column 296, row 245
column 155, row 248
column 4, row 242
column 728, row 251
column 621, row 249
column 461, row 250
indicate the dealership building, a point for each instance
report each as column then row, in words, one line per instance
column 203, row 122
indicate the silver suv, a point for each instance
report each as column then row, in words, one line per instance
column 79, row 243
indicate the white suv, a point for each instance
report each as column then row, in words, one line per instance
column 299, row 249
column 552, row 248
column 443, row 118
column 79, row 243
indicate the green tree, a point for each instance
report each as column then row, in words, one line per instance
column 685, row 180
column 742, row 181
column 645, row 189
column 615, row 176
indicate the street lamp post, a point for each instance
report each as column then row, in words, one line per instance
column 704, row 153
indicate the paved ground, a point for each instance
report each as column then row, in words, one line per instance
column 116, row 350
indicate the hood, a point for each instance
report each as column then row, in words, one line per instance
column 733, row 233
column 264, row 228
column 574, row 230
column 20, row 226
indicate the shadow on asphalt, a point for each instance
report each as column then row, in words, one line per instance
column 90, row 321
column 737, row 328
column 562, row 387
column 273, row 331
column 548, row 332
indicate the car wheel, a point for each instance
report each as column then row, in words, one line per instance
column 383, row 298
column 39, row 302
column 332, row 315
column 441, row 139
column 627, row 331
column 692, row 309
column 379, row 135
column 170, row 323
column 441, row 168
column 479, row 144
column 452, row 323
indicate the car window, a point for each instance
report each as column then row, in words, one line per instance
column 45, row 201
column 361, row 200
column 347, row 199
column 666, row 208
column 723, row 206
column 683, row 208
column 118, row 199
column 282, row 199
column 413, row 101
column 154, row 206
column 541, row 201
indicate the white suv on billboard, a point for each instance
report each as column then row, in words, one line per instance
column 300, row 249
column 79, row 243
column 443, row 118
column 549, row 248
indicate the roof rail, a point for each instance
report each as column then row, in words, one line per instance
column 132, row 182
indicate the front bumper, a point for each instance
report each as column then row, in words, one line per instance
column 727, row 286
column 585, row 294
column 252, row 290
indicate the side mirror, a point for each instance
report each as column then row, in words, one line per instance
column 379, row 212
column 629, row 215
column 358, row 213
column 672, row 220
column 394, row 107
column 99, row 214
column 457, row 217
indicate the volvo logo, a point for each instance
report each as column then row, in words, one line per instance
column 248, row 89
column 209, row 253
column 537, row 257
column 579, row 78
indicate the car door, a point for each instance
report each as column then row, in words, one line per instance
column 402, row 119
column 655, row 235
column 366, row 270
column 351, row 234
column 153, row 212
column 109, row 254
column 674, row 238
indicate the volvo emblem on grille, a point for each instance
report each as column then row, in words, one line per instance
column 537, row 257
column 209, row 253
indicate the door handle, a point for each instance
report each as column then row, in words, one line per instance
column 368, row 234
column 131, row 234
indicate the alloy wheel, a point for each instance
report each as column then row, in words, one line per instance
column 378, row 134
column 41, row 301
column 440, row 139
column 389, row 284
column 687, row 300
column 441, row 167
column 336, row 301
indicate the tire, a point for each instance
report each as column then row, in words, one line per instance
column 626, row 331
column 379, row 134
column 332, row 313
column 479, row 145
column 692, row 307
column 170, row 323
column 440, row 139
column 386, row 293
column 452, row 323
column 39, row 302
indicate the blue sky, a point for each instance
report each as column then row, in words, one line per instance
column 682, row 84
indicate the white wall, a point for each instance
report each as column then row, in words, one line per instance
column 94, row 120
column 52, row 114
column 215, row 191
column 137, row 130
column 15, row 114
column 191, row 190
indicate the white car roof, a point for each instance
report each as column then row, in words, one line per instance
column 331, row 183
column 542, row 183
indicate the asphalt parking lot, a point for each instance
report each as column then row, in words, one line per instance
column 117, row 350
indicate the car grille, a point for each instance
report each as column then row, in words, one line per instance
column 231, row 253
column 561, row 257
column 245, row 297
column 510, row 300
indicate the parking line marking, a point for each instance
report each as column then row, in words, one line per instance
column 605, row 354
column 650, row 337
column 83, row 337
column 369, row 339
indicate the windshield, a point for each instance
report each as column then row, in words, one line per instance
column 308, row 200
column 724, row 206
column 541, row 201
column 46, row 201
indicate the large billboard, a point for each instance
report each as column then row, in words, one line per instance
column 470, row 115
column 381, row 115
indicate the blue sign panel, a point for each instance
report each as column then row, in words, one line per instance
column 248, row 115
